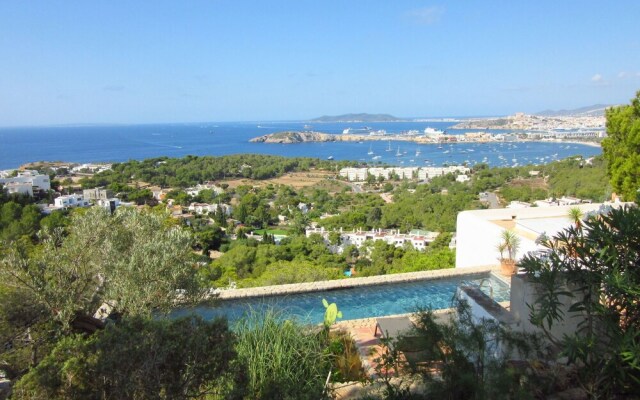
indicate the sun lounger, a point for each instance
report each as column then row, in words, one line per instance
column 392, row 327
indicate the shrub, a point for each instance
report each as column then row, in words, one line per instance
column 282, row 358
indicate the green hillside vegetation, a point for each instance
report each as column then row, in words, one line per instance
column 570, row 177
column 190, row 170
column 300, row 259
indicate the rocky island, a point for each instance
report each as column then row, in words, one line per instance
column 288, row 137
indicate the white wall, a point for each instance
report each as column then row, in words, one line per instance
column 477, row 236
column 476, row 241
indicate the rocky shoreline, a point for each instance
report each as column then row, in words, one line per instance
column 293, row 137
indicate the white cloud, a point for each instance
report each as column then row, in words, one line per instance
column 427, row 15
column 596, row 78
column 628, row 75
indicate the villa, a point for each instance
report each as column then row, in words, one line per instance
column 27, row 182
column 479, row 231
column 420, row 240
column 204, row 208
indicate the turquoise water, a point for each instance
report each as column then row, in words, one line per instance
column 358, row 302
column 121, row 143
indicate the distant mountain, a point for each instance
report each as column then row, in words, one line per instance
column 362, row 117
column 596, row 110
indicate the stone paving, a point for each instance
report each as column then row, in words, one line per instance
column 349, row 282
column 369, row 345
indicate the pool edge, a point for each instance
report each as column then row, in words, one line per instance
column 276, row 290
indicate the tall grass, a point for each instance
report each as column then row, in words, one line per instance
column 283, row 359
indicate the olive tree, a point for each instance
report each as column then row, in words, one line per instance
column 134, row 261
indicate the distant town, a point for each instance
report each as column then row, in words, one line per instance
column 519, row 127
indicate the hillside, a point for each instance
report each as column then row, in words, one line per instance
column 361, row 117
column 596, row 110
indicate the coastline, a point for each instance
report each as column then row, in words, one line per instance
column 320, row 137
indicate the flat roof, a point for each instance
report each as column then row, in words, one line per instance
column 549, row 226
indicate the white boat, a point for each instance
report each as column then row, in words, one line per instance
column 330, row 158
column 418, row 152
column 398, row 154
column 389, row 147
column 370, row 151
column 377, row 157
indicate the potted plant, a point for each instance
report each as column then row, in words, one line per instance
column 509, row 244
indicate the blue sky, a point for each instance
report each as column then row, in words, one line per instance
column 64, row 62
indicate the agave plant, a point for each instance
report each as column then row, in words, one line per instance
column 510, row 244
column 575, row 215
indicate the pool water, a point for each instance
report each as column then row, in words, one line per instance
column 358, row 302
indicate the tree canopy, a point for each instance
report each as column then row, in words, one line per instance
column 132, row 260
column 622, row 148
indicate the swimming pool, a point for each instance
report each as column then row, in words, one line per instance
column 355, row 303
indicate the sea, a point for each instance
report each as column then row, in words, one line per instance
column 117, row 143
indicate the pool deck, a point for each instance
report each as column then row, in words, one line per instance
column 275, row 290
column 369, row 346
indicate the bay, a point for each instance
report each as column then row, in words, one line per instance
column 116, row 143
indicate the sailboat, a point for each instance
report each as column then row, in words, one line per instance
column 370, row 151
column 389, row 148
column 398, row 154
column 418, row 152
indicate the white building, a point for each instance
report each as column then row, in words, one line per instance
column 361, row 174
column 418, row 239
column 93, row 168
column 354, row 174
column 33, row 178
column 6, row 173
column 70, row 201
column 545, row 203
column 568, row 201
column 194, row 191
column 204, row 208
column 19, row 188
column 518, row 204
column 110, row 204
column 97, row 194
column 478, row 232
column 304, row 208
column 462, row 178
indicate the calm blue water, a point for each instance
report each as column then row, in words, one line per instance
column 356, row 303
column 122, row 143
